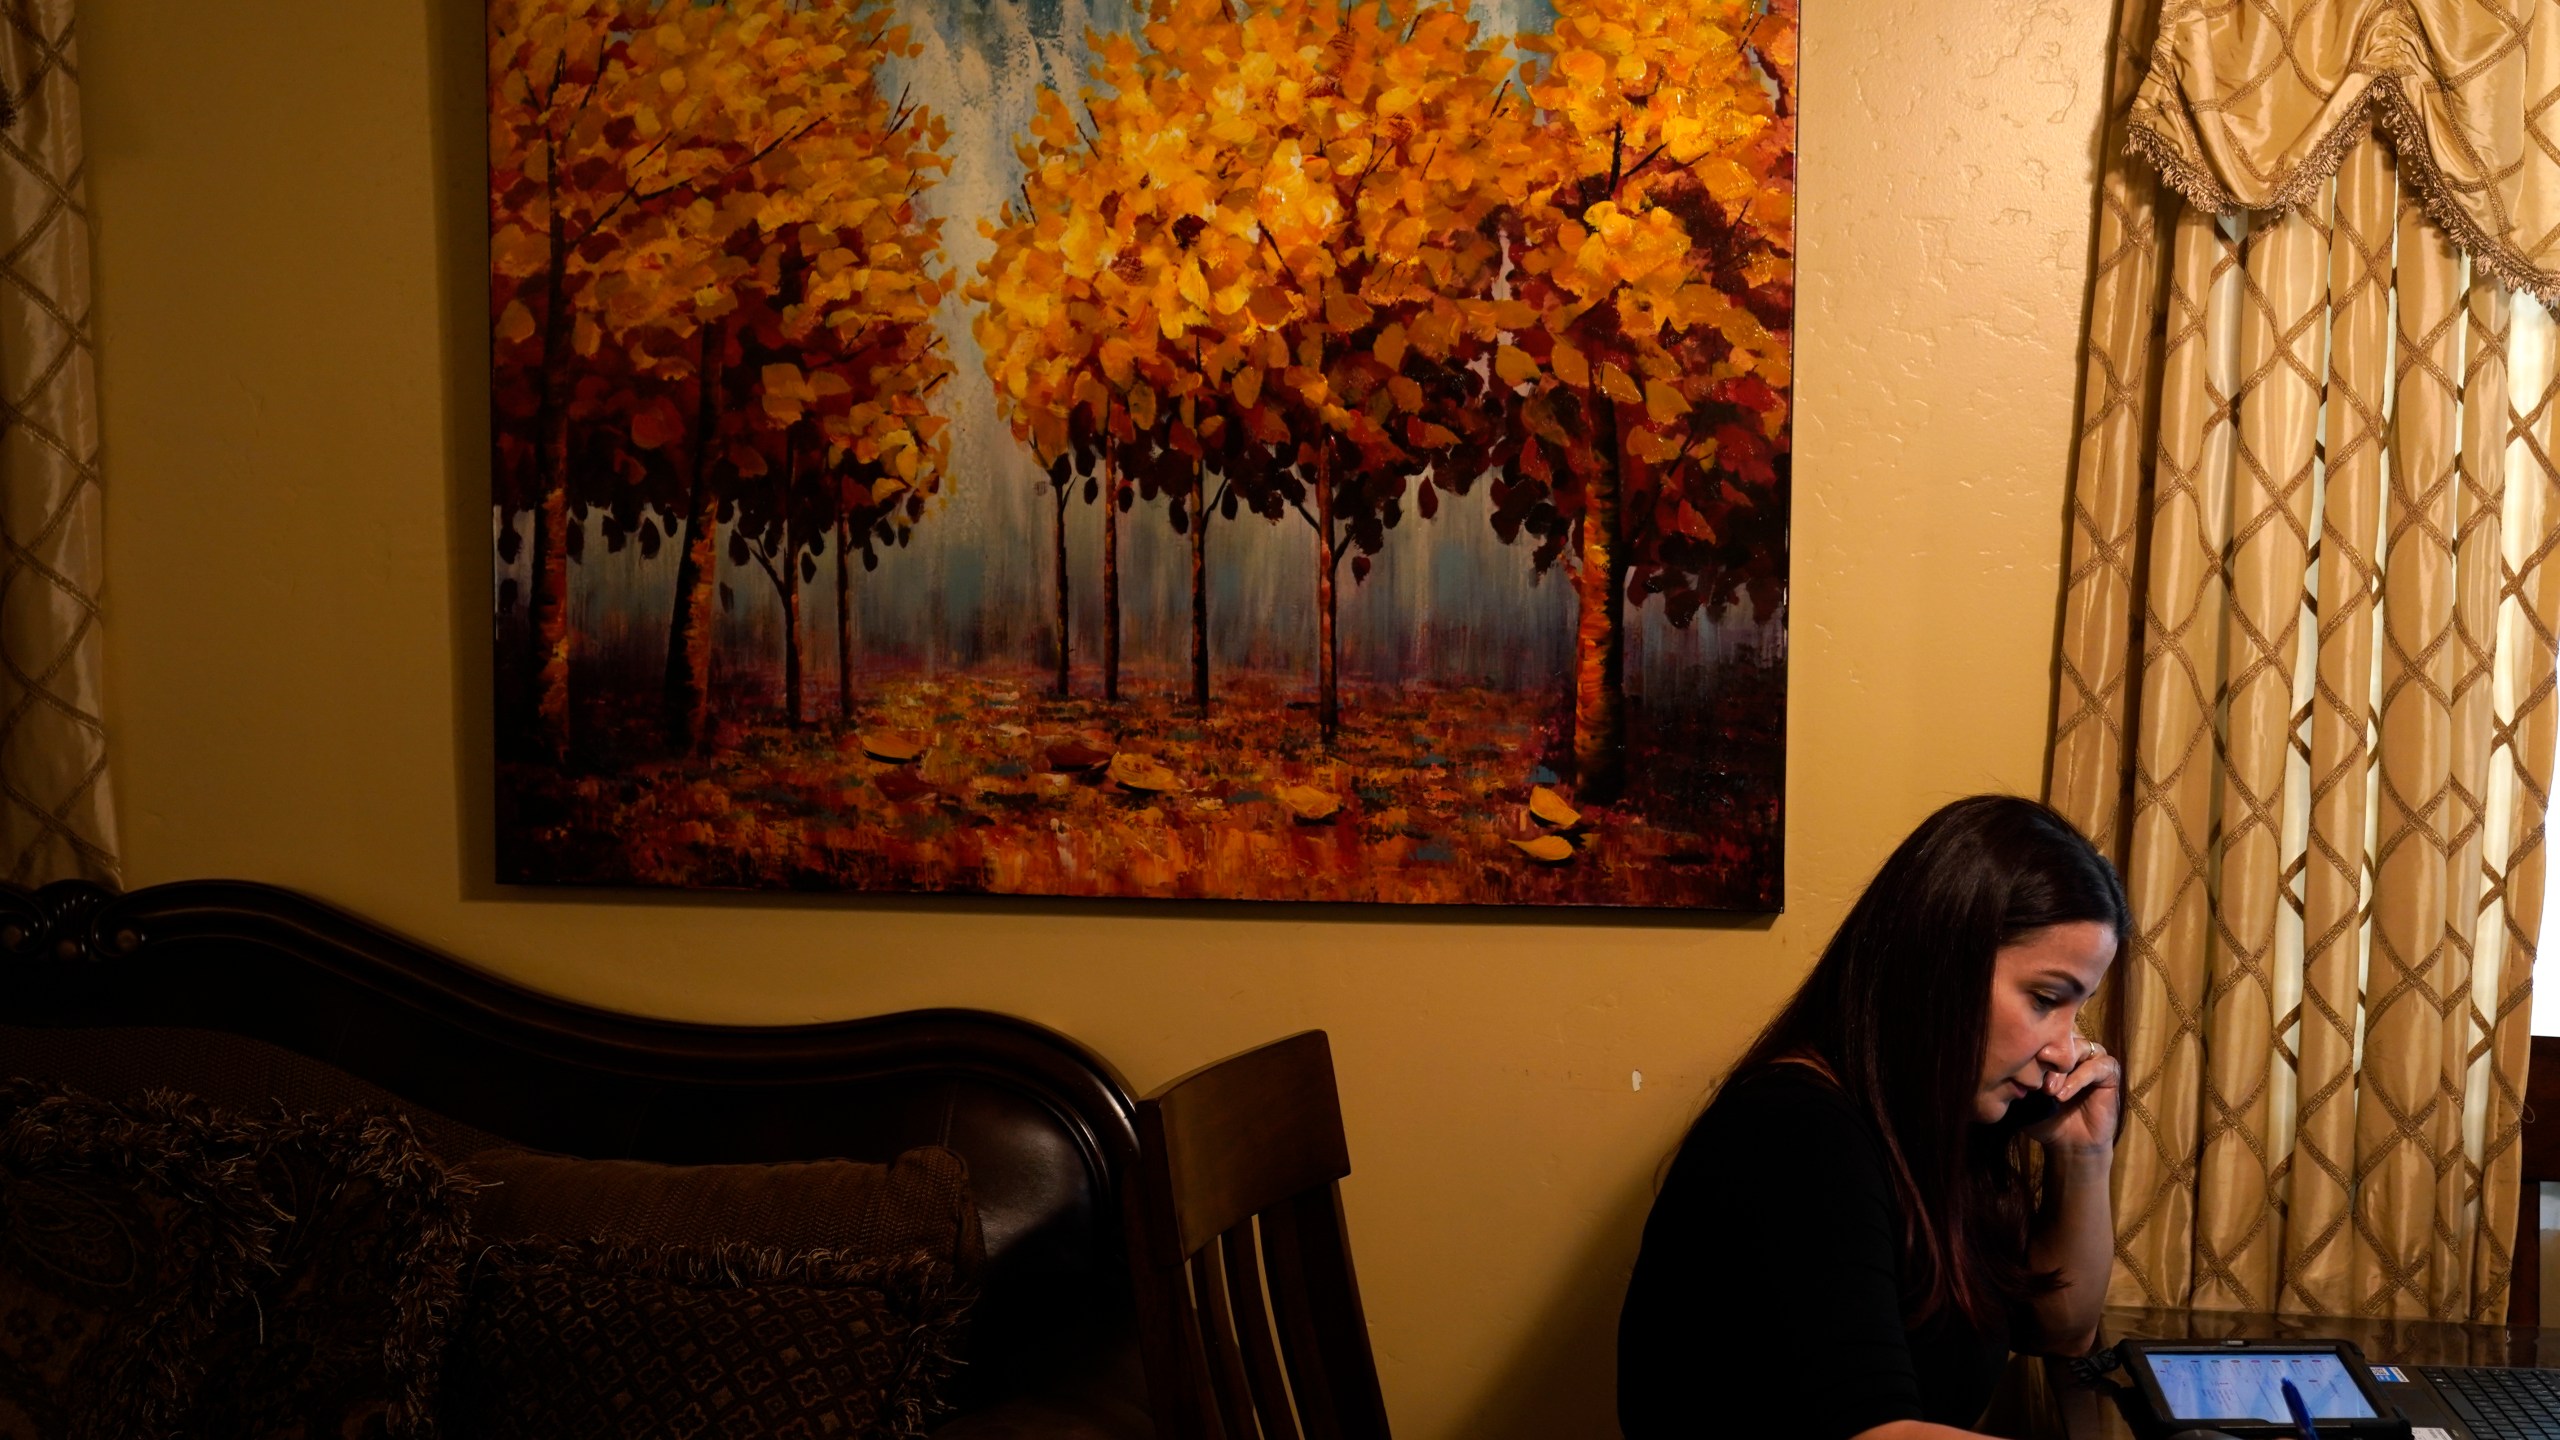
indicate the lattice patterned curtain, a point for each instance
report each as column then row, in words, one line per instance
column 2307, row 644
column 56, row 817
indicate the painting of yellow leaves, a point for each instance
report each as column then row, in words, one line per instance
column 1318, row 450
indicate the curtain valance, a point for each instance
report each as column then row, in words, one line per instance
column 2251, row 106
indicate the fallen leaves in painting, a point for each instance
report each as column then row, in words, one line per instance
column 1310, row 804
column 1418, row 800
column 1551, row 808
column 891, row 747
column 1076, row 755
column 902, row 785
column 1136, row 772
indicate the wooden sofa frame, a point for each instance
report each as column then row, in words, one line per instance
column 247, row 993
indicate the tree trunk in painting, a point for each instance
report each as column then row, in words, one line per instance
column 1059, row 562
column 790, row 581
column 1328, row 691
column 1200, row 587
column 844, row 611
column 541, row 631
column 550, row 617
column 791, row 634
column 687, row 696
column 1600, row 639
column 1110, row 573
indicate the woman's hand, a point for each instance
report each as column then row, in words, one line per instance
column 2091, row 1094
column 2073, row 1234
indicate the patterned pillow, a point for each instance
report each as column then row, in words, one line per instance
column 919, row 1201
column 348, row 1327
column 126, row 1228
column 582, row 1340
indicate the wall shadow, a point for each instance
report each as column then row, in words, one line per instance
column 1562, row 1378
column 457, row 113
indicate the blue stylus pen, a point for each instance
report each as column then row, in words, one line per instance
column 2301, row 1412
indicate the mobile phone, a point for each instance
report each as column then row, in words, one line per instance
column 2032, row 1109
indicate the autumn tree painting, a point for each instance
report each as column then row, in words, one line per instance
column 704, row 199
column 1281, row 449
column 1650, row 393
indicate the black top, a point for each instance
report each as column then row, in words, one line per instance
column 1768, row 1297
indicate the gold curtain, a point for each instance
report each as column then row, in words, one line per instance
column 2306, row 657
column 56, row 815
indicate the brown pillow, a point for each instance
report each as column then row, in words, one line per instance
column 584, row 1340
column 126, row 1228
column 919, row 1201
column 349, row 1324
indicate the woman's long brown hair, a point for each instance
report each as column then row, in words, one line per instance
column 1897, row 1011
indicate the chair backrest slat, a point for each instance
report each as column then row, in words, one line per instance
column 1248, row 1306
column 1179, row 1390
column 2524, row 1291
column 2538, row 1149
column 1318, row 1251
column 1238, row 1136
column 1253, row 1318
column 1226, row 1356
column 1294, row 1310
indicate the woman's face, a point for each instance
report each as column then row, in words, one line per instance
column 2038, row 985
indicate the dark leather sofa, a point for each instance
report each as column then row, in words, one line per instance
column 245, row 993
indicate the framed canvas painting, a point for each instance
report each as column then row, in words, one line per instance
column 1239, row 449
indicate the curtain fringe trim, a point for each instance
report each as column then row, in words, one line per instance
column 2384, row 105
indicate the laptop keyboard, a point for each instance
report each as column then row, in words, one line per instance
column 2499, row 1403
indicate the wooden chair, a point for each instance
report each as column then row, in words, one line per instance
column 1240, row 1258
column 2540, row 1144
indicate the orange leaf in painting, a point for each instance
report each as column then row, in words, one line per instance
column 1132, row 771
column 657, row 425
column 1309, row 804
column 1546, row 849
column 1551, row 809
column 891, row 746
column 1618, row 385
column 515, row 323
column 1074, row 754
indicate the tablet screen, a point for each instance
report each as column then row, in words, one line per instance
column 2244, row 1385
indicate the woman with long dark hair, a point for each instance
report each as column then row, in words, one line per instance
column 1858, row 1229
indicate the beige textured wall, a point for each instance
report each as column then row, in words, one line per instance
column 289, row 258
